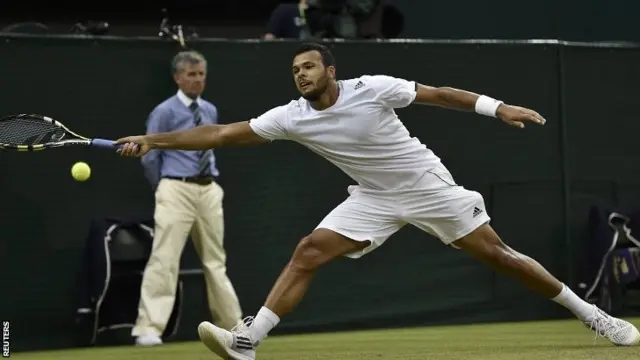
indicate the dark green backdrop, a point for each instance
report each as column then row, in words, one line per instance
column 538, row 183
column 576, row 20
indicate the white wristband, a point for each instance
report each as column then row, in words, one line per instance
column 487, row 106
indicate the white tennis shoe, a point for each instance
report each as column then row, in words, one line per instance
column 618, row 331
column 228, row 345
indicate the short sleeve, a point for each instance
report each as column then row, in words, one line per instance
column 272, row 124
column 392, row 92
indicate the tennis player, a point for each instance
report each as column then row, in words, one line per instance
column 352, row 124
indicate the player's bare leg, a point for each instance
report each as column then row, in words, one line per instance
column 485, row 245
column 312, row 252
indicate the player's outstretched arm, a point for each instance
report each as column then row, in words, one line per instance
column 199, row 138
column 463, row 100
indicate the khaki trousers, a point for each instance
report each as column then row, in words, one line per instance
column 183, row 208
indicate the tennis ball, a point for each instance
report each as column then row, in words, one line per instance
column 80, row 171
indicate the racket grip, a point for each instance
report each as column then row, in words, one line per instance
column 105, row 144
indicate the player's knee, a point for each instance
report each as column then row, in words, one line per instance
column 321, row 247
column 308, row 256
column 484, row 244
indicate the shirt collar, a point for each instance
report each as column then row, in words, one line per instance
column 187, row 100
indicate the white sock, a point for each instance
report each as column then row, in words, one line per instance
column 264, row 321
column 580, row 308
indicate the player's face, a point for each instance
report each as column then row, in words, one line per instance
column 310, row 75
column 191, row 78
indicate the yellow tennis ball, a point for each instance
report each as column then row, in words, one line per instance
column 80, row 171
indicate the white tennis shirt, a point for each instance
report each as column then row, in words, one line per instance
column 360, row 134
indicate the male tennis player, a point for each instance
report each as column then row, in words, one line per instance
column 352, row 124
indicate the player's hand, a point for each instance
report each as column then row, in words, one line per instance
column 517, row 116
column 135, row 146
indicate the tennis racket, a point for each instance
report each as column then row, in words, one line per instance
column 31, row 132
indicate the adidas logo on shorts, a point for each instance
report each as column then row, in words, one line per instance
column 476, row 211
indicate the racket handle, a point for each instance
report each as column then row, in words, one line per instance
column 105, row 144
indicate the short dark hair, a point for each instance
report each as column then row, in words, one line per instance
column 325, row 53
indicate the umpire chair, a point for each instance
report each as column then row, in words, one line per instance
column 110, row 278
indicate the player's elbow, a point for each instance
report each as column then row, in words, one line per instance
column 235, row 134
column 222, row 136
column 444, row 95
column 448, row 97
column 432, row 95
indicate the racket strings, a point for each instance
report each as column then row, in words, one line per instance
column 26, row 131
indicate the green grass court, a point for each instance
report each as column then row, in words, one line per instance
column 515, row 341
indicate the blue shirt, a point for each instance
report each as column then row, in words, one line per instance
column 171, row 115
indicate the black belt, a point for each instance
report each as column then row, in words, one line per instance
column 200, row 180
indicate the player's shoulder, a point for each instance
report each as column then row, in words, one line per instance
column 283, row 110
column 368, row 81
column 298, row 106
column 292, row 105
column 359, row 82
column 377, row 79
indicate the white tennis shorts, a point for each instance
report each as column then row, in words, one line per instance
column 435, row 205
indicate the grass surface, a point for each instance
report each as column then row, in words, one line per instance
column 555, row 340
